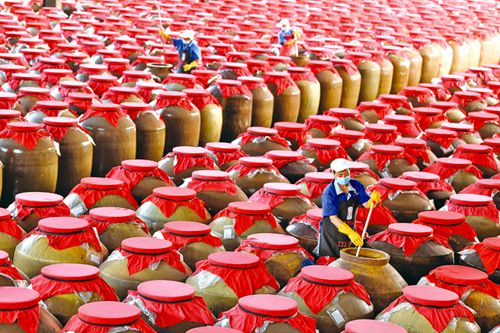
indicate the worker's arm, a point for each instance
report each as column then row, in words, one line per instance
column 347, row 230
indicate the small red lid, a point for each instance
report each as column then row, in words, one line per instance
column 7, row 96
column 52, row 61
column 174, row 193
column 222, row 147
column 103, row 78
column 241, row 260
column 228, row 83
column 196, row 92
column 109, row 313
column 34, row 91
column 381, row 128
column 387, row 149
column 358, row 166
column 371, row 325
column 428, row 111
column 146, row 85
column 73, row 84
column 471, row 199
column 182, row 76
column 116, row 60
column 262, row 131
column 289, row 155
column 255, row 161
column 53, row 105
column 282, row 189
column 290, row 126
column 269, row 305
column 349, row 134
column 81, row 96
column 482, row 116
column 460, row 275
column 4, row 214
column 324, row 119
column 430, row 296
column 98, row 183
column 112, row 214
column 315, row 214
column 440, row 133
column 454, row 162
column 18, row 126
column 408, row 229
column 58, row 71
column 213, row 329
column 396, row 118
column 399, row 184
column 106, row 107
column 489, row 183
column 323, row 143
column 186, row 228
column 134, row 106
column 298, row 70
column 38, row 199
column 343, row 112
column 420, row 176
column 474, row 148
column 146, row 245
column 123, row 90
column 457, row 127
column 94, row 68
column 320, row 177
column 16, row 298
column 231, row 65
column 444, row 106
column 411, row 143
column 248, row 208
column 137, row 74
column 492, row 243
column 250, row 79
column 467, row 94
column 441, row 217
column 189, row 151
column 62, row 225
column 166, row 291
column 327, row 275
column 391, row 97
column 210, row 175
column 273, row 241
column 70, row 272
column 139, row 165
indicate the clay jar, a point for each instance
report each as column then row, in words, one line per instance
column 180, row 82
column 432, row 186
column 314, row 183
column 442, row 142
column 481, row 157
column 8, row 116
column 295, row 133
column 430, row 59
column 340, row 292
column 323, row 152
column 483, row 256
column 458, row 172
column 29, row 96
column 11, row 275
column 225, row 155
column 353, row 142
column 291, row 164
column 321, row 126
column 11, row 233
column 181, row 117
column 43, row 109
column 263, row 101
column 386, row 71
column 210, row 112
column 305, row 228
column 114, row 134
column 172, row 204
column 488, row 187
column 372, row 270
column 428, row 117
column 362, row 173
column 350, row 119
column 401, row 65
column 388, row 160
column 370, row 75
column 351, row 82
column 469, row 101
column 27, row 152
column 257, row 141
column 372, row 112
column 310, row 91
column 465, row 132
column 286, row 96
column 330, row 82
column 413, row 248
column 485, row 123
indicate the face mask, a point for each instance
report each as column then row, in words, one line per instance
column 343, row 181
column 186, row 42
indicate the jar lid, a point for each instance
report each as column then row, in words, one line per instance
column 457, row 127
column 9, row 114
column 98, row 183
column 34, row 91
column 460, row 275
column 81, row 96
column 282, row 189
column 62, row 225
column 174, row 193
column 358, row 166
column 38, row 199
column 454, row 162
column 210, row 175
column 371, row 325
column 233, row 65
column 444, row 106
column 255, row 161
column 489, row 183
column 123, row 90
column 16, row 298
column 240, row 260
column 408, row 229
column 222, row 147
column 4, row 214
column 288, row 155
column 73, row 84
column 109, row 313
column 441, row 217
column 290, row 126
column 475, row 148
column 273, row 241
column 323, row 143
column 7, row 96
column 137, row 74
column 70, row 272
column 441, row 132
column 492, row 243
column 492, row 142
column 315, row 214
column 13, row 68
column 430, row 296
column 320, row 177
column 52, row 61
column 112, row 214
column 248, row 208
column 468, row 94
column 182, row 76
column 483, row 116
column 166, row 291
column 269, row 305
column 262, row 131
column 298, row 70
column 323, row 119
column 229, row 83
column 411, row 143
column 196, row 92
column 421, row 176
column 396, row 118
column 471, row 199
column 93, row 68
column 250, row 79
column 349, row 134
column 116, row 60
column 134, row 106
column 343, row 112
column 58, row 71
column 103, row 78
column 53, row 105
column 399, row 184
column 380, row 128
column 139, row 165
column 387, row 149
column 428, row 111
column 213, row 329
column 148, row 85
column 186, row 228
column 146, row 245
column 189, row 151
column 23, row 126
column 106, row 107
column 327, row 275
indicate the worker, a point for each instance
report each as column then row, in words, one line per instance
column 288, row 38
column 189, row 51
column 339, row 202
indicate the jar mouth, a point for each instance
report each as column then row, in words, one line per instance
column 370, row 257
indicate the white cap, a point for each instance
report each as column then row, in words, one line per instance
column 187, row 34
column 284, row 22
column 340, row 164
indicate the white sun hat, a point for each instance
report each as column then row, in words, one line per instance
column 187, row 34
column 340, row 164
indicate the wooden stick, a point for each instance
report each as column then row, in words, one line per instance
column 162, row 39
column 365, row 227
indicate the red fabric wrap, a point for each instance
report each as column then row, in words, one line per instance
column 489, row 257
column 478, row 124
column 27, row 319
column 464, row 100
column 306, row 220
column 11, row 228
column 463, row 229
column 182, row 102
column 112, row 117
column 238, row 71
column 66, row 241
column 172, row 313
column 248, row 137
column 274, row 200
column 447, row 172
column 381, row 215
column 182, row 163
column 48, row 288
column 485, row 160
column 7, row 104
column 282, row 83
column 243, row 282
column 137, row 262
column 489, row 211
column 424, row 121
column 396, row 104
column 201, row 101
column 168, row 207
column 407, row 129
column 325, row 156
column 244, row 170
column 40, row 66
column 180, row 242
column 54, row 79
column 226, row 186
column 254, row 68
column 248, row 322
column 440, row 185
column 457, row 84
column 11, row 271
column 384, row 138
column 243, row 222
column 265, row 254
column 325, row 128
column 385, row 191
column 118, row 68
column 91, row 196
column 99, row 88
column 282, row 162
column 132, row 178
column 318, row 296
column 489, row 288
column 58, row 132
column 367, row 171
column 316, row 69
column 116, row 98
column 81, row 104
column 409, row 244
column 477, row 189
column 421, row 96
column 76, row 325
column 224, row 158
column 381, row 113
column 188, row 83
column 228, row 91
column 349, row 67
column 383, row 159
column 422, row 153
column 42, row 212
column 315, row 189
column 102, row 226
column 307, row 76
column 444, row 142
column 296, row 136
column 64, row 92
column 439, row 318
column 345, row 142
column 28, row 140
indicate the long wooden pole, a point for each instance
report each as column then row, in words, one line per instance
column 365, row 227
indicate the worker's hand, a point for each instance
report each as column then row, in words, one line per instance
column 164, row 34
column 374, row 199
column 353, row 235
column 188, row 67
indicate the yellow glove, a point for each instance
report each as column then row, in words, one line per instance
column 188, row 67
column 374, row 198
column 353, row 235
column 164, row 34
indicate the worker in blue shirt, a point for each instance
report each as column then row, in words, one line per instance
column 340, row 201
column 288, row 38
column 189, row 51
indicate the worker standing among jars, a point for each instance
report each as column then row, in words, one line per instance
column 189, row 51
column 340, row 201
column 288, row 38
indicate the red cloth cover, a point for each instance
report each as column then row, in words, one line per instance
column 228, row 91
column 42, row 212
column 477, row 123
column 421, row 96
column 422, row 153
column 224, row 157
column 188, row 83
column 477, row 189
column 65, row 241
column 424, row 121
column 168, row 207
column 446, row 172
column 282, row 83
column 385, row 191
column 91, row 196
column 83, row 104
column 242, row 222
column 383, row 159
column 58, row 132
column 485, row 160
column 325, row 128
column 99, row 88
column 381, row 215
column 265, row 254
column 315, row 189
column 274, row 200
column 137, row 262
column 367, row 171
column 11, row 271
column 132, row 178
column 349, row 67
column 27, row 139
column 112, row 117
column 381, row 113
column 325, row 156
column 182, row 163
column 10, row 227
column 409, row 244
column 282, row 162
column 102, row 226
column 296, row 136
column 444, row 142
column 489, row 211
column 307, row 76
column 383, row 138
column 180, row 242
column 463, row 229
column 27, row 319
column 489, row 258
column 201, row 101
column 244, row 170
column 248, row 137
column 408, row 129
column 226, row 186
column 182, row 102
column 489, row 288
column 76, row 325
column 306, row 220
column 117, row 98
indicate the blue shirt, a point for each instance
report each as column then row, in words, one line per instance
column 284, row 33
column 333, row 196
column 192, row 48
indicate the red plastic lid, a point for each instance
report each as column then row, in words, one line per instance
column 411, row 143
column 223, row 147
column 213, row 329
column 81, row 96
column 186, row 228
column 381, row 128
column 323, row 143
column 134, row 106
column 139, row 165
column 462, row 128
column 489, row 183
column 146, row 85
column 174, row 193
column 57, row 71
column 146, row 245
column 327, row 275
column 358, row 166
column 4, row 214
column 441, row 217
column 52, row 61
column 454, row 162
column 483, row 116
column 166, row 291
column 250, row 79
column 93, row 68
column 320, row 177
column 444, row 106
column 391, row 97
column 262, row 131
column 255, row 161
column 298, row 70
column 343, row 112
column 396, row 118
column 273, row 241
column 102, row 78
column 248, row 208
column 210, row 175
column 196, row 92
column 282, row 189
column 228, row 83
column 38, row 199
column 55, row 105
column 70, row 272
column 62, row 225
column 428, row 111
column 399, row 184
column 109, row 313
column 34, row 91
column 408, row 229
column 471, row 199
column 189, row 151
column 289, row 155
column 420, row 176
column 441, row 133
column 18, row 126
column 430, row 296
column 6, row 96
column 241, row 260
column 112, row 214
column 315, row 214
column 98, row 183
column 369, row 325
column 387, row 149
column 73, row 84
column 323, row 119
column 231, row 65
column 116, row 60
column 269, row 305
column 137, row 74
column 106, row 107
column 290, row 126
column 349, row 134
column 460, row 275
column 15, row 298
column 474, row 148
column 492, row 243
column 123, row 90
